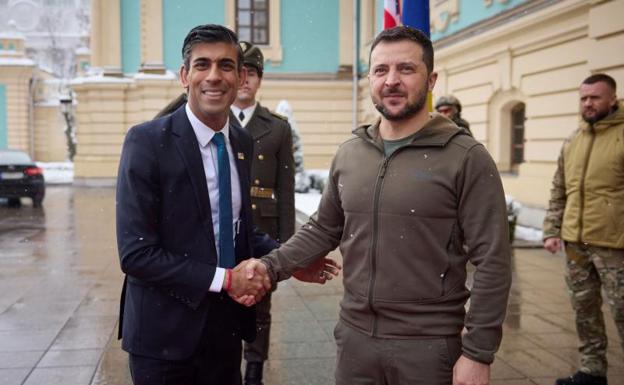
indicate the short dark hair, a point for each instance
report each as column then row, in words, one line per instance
column 210, row 33
column 401, row 33
column 595, row 78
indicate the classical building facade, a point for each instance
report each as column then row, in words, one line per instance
column 514, row 64
column 517, row 75
column 40, row 48
column 136, row 44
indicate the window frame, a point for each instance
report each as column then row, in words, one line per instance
column 273, row 50
column 252, row 21
column 516, row 112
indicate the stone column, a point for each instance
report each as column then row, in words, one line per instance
column 151, row 37
column 101, row 125
column 106, row 36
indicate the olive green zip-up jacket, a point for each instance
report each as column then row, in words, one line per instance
column 401, row 223
column 587, row 197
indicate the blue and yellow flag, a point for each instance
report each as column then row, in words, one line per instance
column 416, row 15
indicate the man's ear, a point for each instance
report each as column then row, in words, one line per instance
column 614, row 100
column 433, row 77
column 184, row 77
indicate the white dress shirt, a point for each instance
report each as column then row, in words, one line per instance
column 208, row 151
column 248, row 112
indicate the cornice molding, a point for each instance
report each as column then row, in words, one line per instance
column 509, row 21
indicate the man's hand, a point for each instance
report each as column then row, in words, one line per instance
column 469, row 372
column 552, row 244
column 321, row 271
column 245, row 289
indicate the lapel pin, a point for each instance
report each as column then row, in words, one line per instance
column 241, row 156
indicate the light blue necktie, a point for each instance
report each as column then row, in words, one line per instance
column 226, row 236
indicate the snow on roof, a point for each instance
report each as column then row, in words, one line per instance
column 82, row 51
column 11, row 35
column 169, row 75
column 48, row 103
column 15, row 61
column 99, row 79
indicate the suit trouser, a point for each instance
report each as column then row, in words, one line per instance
column 258, row 350
column 588, row 269
column 216, row 361
column 365, row 360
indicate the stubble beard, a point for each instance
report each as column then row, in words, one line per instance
column 408, row 111
column 597, row 117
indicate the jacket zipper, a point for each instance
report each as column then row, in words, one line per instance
column 371, row 287
column 582, row 187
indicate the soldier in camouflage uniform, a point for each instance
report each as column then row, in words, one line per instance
column 586, row 213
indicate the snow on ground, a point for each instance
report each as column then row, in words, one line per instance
column 57, row 172
column 63, row 173
column 528, row 234
column 308, row 203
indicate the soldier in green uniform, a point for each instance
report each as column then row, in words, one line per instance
column 586, row 213
column 272, row 191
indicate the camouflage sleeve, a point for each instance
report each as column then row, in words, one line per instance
column 557, row 203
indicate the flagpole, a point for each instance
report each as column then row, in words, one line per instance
column 356, row 61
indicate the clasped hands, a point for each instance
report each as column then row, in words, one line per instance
column 248, row 282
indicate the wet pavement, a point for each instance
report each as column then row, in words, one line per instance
column 59, row 298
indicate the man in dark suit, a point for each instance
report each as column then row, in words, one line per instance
column 184, row 221
column 272, row 190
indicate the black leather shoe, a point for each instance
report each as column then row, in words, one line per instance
column 580, row 378
column 253, row 373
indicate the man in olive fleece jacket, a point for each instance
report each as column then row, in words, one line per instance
column 404, row 197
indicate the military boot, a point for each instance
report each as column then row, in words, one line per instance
column 253, row 373
column 581, row 378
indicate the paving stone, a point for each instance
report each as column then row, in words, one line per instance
column 61, row 376
column 81, row 357
column 20, row 359
column 60, row 284
column 13, row 376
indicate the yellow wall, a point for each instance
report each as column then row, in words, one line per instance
column 538, row 60
column 322, row 110
column 50, row 140
column 107, row 108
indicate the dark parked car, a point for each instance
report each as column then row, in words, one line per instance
column 20, row 177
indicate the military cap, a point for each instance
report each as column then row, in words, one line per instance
column 252, row 56
column 448, row 100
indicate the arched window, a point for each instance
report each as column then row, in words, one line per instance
column 517, row 134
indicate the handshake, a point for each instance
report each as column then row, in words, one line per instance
column 248, row 282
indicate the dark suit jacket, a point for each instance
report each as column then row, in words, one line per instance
column 273, row 167
column 166, row 241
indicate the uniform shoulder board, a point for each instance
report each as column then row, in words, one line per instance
column 279, row 116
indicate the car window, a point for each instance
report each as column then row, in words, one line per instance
column 14, row 157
